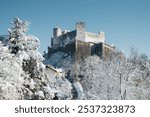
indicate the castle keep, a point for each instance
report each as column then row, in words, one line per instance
column 79, row 43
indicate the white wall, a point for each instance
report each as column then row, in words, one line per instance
column 95, row 38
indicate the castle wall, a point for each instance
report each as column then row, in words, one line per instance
column 95, row 38
column 96, row 49
column 70, row 49
column 107, row 50
column 64, row 39
column 83, row 50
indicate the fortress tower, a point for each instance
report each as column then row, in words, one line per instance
column 80, row 29
column 56, row 32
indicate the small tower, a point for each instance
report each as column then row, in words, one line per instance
column 56, row 32
column 55, row 39
column 80, row 28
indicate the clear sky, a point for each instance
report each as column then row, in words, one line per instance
column 126, row 23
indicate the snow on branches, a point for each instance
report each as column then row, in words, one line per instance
column 115, row 78
column 23, row 74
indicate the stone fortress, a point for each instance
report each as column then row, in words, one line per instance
column 79, row 43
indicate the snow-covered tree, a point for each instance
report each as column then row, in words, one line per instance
column 117, row 77
column 92, row 77
column 25, row 48
column 23, row 74
column 11, row 75
column 138, row 84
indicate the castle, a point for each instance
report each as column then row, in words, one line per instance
column 79, row 43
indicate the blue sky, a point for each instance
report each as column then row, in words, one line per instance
column 126, row 23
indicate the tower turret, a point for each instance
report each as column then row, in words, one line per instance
column 80, row 28
column 56, row 32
